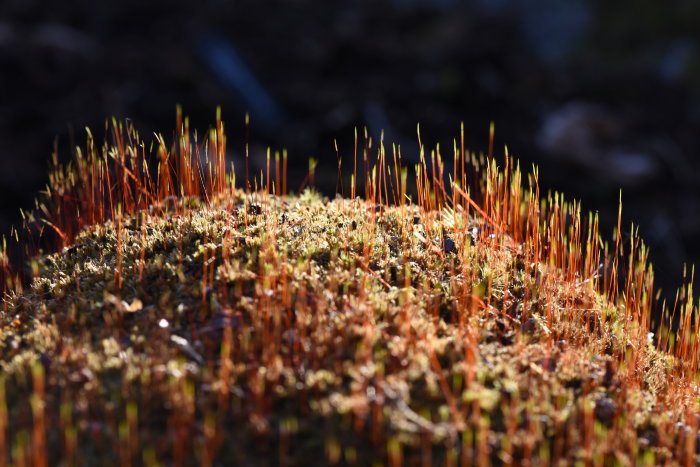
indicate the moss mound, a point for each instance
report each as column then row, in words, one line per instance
column 260, row 329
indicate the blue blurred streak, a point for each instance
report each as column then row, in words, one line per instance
column 219, row 54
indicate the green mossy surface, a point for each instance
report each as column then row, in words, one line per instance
column 261, row 329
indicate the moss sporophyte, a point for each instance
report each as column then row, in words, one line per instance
column 183, row 319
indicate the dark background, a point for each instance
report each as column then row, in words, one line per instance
column 601, row 95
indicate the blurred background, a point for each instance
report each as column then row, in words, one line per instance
column 600, row 95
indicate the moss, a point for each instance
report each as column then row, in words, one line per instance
column 308, row 313
column 253, row 328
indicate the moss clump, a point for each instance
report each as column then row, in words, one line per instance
column 256, row 329
column 307, row 327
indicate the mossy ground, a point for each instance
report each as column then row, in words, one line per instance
column 257, row 329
